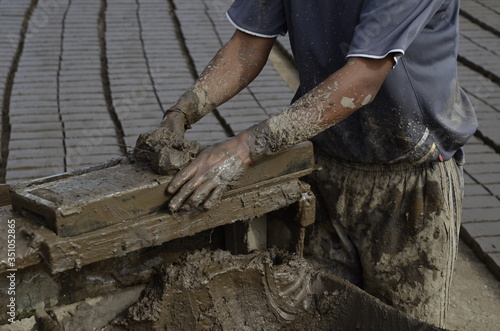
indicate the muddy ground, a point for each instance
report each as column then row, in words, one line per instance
column 214, row 290
column 475, row 298
column 269, row 290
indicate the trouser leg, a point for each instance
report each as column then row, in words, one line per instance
column 394, row 230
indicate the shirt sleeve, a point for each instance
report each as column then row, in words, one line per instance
column 390, row 26
column 262, row 18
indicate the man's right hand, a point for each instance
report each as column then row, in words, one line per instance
column 165, row 148
column 184, row 113
column 175, row 121
column 204, row 180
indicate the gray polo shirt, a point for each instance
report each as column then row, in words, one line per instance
column 420, row 113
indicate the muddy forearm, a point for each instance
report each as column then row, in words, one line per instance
column 204, row 180
column 234, row 67
column 333, row 100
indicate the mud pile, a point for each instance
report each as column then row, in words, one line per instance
column 166, row 151
column 261, row 291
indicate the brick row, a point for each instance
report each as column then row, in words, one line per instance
column 486, row 11
column 38, row 66
column 479, row 46
column 11, row 16
column 90, row 134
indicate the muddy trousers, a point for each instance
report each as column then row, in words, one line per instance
column 392, row 230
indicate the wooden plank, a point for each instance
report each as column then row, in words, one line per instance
column 62, row 254
column 115, row 192
column 4, row 195
column 35, row 243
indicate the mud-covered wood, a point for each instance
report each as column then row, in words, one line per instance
column 61, row 253
column 85, row 201
column 4, row 195
column 264, row 290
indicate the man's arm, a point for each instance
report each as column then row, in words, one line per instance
column 341, row 94
column 234, row 67
column 204, row 180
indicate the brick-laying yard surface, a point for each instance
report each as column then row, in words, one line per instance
column 479, row 73
column 79, row 80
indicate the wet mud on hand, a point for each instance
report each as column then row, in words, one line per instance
column 167, row 152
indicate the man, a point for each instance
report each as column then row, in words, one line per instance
column 380, row 100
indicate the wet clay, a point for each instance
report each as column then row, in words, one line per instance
column 269, row 290
column 166, row 151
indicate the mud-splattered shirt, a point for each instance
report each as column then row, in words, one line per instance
column 420, row 114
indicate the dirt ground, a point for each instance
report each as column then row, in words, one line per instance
column 475, row 295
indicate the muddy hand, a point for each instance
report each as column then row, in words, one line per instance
column 174, row 121
column 204, row 180
column 184, row 113
column 165, row 148
column 165, row 151
column 148, row 143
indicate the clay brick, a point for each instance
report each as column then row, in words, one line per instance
column 34, row 117
column 475, row 190
column 38, row 93
column 468, row 180
column 31, row 144
column 33, row 173
column 26, row 127
column 481, row 214
column 91, row 110
column 27, row 161
column 75, row 152
column 206, row 138
column 239, row 126
column 92, row 133
column 37, row 135
column 98, row 101
column 35, row 154
column 84, row 77
column 243, row 107
column 27, row 85
column 34, row 106
column 483, row 158
column 490, row 178
column 272, row 105
column 68, row 74
column 487, row 201
column 483, row 168
column 493, row 263
column 495, row 188
column 489, row 244
column 478, row 229
column 91, row 160
column 131, row 125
